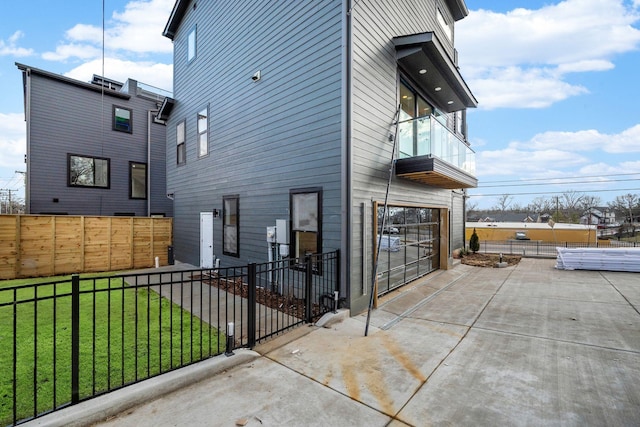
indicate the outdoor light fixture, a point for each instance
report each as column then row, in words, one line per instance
column 423, row 71
column 438, row 88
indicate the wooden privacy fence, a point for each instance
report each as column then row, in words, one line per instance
column 43, row 245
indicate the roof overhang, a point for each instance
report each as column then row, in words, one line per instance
column 165, row 108
column 458, row 9
column 179, row 9
column 425, row 60
column 27, row 70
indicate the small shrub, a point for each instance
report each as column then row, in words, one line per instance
column 474, row 242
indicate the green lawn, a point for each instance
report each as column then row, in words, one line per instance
column 113, row 351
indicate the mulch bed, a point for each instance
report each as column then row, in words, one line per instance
column 287, row 304
column 489, row 260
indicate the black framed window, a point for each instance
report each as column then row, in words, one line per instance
column 181, row 149
column 203, row 134
column 306, row 221
column 122, row 119
column 231, row 225
column 137, row 180
column 86, row 171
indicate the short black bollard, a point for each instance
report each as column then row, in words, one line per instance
column 229, row 350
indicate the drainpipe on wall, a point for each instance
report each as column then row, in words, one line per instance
column 150, row 114
column 27, row 159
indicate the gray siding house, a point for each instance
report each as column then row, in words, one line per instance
column 93, row 148
column 291, row 111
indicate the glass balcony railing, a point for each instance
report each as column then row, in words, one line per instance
column 426, row 136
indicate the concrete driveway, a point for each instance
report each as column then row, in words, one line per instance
column 523, row 345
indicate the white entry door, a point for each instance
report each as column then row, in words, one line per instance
column 206, row 239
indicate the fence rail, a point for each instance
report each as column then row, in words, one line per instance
column 539, row 248
column 72, row 339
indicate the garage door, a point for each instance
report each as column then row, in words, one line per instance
column 409, row 244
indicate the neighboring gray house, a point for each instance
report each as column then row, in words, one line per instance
column 289, row 110
column 93, row 148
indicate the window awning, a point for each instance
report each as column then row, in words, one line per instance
column 425, row 60
column 165, row 109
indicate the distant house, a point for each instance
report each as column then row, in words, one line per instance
column 603, row 217
column 93, row 148
column 290, row 111
column 502, row 217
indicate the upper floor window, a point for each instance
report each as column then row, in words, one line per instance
column 413, row 105
column 444, row 23
column 203, row 135
column 191, row 44
column 181, row 150
column 137, row 180
column 85, row 171
column 121, row 119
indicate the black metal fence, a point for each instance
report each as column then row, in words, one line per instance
column 536, row 248
column 65, row 341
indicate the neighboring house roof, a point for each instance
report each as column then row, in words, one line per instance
column 94, row 87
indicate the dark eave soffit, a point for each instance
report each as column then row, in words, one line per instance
column 165, row 109
column 458, row 9
column 179, row 9
column 424, row 51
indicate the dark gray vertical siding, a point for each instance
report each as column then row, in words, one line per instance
column 67, row 118
column 374, row 104
column 267, row 137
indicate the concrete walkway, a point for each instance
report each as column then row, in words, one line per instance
column 523, row 345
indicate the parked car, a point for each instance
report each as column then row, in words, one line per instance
column 521, row 235
column 393, row 230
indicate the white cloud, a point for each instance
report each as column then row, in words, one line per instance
column 538, row 48
column 154, row 74
column 512, row 161
column 627, row 141
column 13, row 145
column 65, row 51
column 10, row 48
column 516, row 87
column 137, row 30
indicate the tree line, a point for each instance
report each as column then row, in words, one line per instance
column 567, row 207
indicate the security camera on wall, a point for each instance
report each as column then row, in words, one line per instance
column 256, row 76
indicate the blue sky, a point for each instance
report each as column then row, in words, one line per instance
column 556, row 83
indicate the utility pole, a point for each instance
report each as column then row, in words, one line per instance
column 9, row 208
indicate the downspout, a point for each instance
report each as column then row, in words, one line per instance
column 464, row 217
column 148, row 171
column 27, row 160
column 347, row 191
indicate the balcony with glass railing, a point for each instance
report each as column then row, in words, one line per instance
column 430, row 153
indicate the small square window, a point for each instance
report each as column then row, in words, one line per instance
column 191, row 44
column 121, row 119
